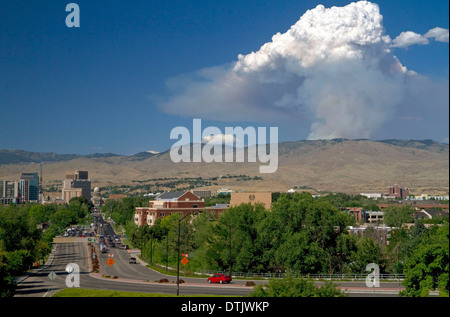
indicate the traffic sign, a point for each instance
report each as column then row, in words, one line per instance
column 110, row 261
column 69, row 268
column 184, row 261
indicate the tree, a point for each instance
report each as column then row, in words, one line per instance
column 395, row 216
column 246, row 247
column 7, row 284
column 428, row 267
column 368, row 251
column 304, row 234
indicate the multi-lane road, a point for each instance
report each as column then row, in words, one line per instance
column 129, row 277
column 132, row 277
column 125, row 276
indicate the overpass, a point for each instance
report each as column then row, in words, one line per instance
column 73, row 239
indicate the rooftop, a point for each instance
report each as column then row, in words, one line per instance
column 170, row 195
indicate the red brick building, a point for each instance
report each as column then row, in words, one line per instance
column 357, row 212
column 397, row 192
column 169, row 203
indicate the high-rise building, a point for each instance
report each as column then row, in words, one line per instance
column 9, row 192
column 76, row 180
column 77, row 175
column 29, row 187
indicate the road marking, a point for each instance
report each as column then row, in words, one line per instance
column 47, row 292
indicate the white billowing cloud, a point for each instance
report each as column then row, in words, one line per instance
column 332, row 74
column 408, row 38
column 439, row 34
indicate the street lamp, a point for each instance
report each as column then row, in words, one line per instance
column 178, row 251
column 229, row 227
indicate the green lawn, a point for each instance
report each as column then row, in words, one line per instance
column 81, row 292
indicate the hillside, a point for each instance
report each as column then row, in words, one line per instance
column 351, row 166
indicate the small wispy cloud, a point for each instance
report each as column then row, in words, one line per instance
column 227, row 139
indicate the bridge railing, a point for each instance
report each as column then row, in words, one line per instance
column 349, row 277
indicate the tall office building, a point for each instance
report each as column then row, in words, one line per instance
column 29, row 187
column 77, row 175
column 76, row 184
column 9, row 192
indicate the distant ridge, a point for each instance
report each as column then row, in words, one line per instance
column 8, row 156
column 337, row 165
column 418, row 144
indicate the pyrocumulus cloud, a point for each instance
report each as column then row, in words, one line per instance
column 333, row 71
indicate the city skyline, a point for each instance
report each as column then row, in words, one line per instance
column 114, row 84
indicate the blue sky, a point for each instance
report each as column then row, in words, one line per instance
column 93, row 88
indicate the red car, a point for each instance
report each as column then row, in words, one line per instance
column 219, row 278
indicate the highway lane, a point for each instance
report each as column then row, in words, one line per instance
column 40, row 285
column 125, row 270
column 122, row 269
column 138, row 278
column 132, row 278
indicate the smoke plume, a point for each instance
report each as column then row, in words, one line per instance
column 333, row 73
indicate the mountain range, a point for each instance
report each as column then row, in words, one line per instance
column 344, row 165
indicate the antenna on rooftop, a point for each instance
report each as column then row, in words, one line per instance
column 40, row 174
column 41, row 189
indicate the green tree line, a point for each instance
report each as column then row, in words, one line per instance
column 298, row 235
column 26, row 234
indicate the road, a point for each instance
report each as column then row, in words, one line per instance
column 139, row 278
column 39, row 283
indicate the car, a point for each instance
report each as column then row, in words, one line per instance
column 219, row 278
column 132, row 261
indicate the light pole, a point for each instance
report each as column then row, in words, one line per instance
column 178, row 251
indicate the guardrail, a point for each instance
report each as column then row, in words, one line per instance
column 349, row 277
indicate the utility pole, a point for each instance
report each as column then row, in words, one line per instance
column 178, row 251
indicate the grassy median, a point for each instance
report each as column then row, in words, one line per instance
column 82, row 292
